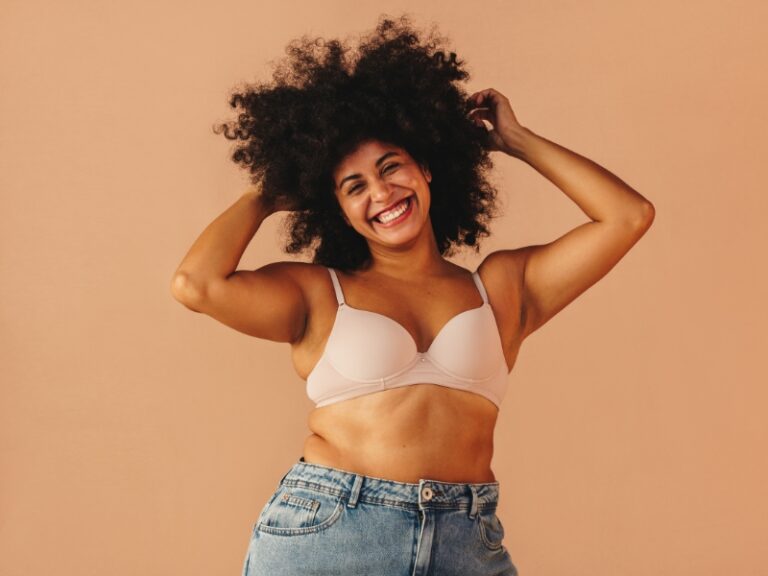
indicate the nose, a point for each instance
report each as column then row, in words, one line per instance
column 380, row 191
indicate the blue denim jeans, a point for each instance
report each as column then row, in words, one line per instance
column 332, row 522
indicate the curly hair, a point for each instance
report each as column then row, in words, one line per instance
column 322, row 104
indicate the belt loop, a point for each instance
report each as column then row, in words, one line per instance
column 473, row 505
column 291, row 469
column 284, row 475
column 355, row 491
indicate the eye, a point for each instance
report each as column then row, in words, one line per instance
column 386, row 168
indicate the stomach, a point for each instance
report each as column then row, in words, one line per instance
column 422, row 431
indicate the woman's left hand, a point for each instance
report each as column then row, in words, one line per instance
column 507, row 134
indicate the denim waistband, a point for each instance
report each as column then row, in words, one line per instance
column 426, row 493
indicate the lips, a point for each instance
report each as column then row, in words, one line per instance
column 388, row 207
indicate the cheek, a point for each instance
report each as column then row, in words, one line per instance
column 355, row 209
column 409, row 180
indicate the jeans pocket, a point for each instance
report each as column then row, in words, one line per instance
column 491, row 529
column 297, row 509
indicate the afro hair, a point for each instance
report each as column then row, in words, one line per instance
column 326, row 99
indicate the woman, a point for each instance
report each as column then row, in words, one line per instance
column 405, row 354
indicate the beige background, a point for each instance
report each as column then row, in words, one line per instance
column 137, row 437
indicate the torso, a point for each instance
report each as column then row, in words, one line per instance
column 411, row 432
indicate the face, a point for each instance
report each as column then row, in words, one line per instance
column 383, row 192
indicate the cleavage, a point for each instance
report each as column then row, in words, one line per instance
column 426, row 297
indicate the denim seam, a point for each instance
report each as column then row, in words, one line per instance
column 344, row 494
column 327, row 523
column 491, row 545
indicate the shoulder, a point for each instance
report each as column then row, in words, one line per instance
column 504, row 267
column 305, row 274
column 311, row 279
column 502, row 273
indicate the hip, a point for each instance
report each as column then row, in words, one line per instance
column 325, row 520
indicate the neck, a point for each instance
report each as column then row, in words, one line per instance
column 419, row 257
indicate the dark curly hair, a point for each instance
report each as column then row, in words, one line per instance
column 321, row 106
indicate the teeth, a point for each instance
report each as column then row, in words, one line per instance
column 385, row 217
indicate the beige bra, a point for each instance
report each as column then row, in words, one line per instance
column 367, row 352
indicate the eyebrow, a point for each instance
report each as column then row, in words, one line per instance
column 378, row 162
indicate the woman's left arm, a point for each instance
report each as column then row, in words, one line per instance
column 552, row 275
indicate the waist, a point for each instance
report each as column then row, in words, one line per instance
column 426, row 492
column 406, row 434
column 400, row 463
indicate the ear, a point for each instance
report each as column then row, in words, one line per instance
column 427, row 173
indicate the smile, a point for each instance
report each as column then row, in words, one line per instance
column 396, row 215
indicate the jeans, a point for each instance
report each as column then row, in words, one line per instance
column 327, row 521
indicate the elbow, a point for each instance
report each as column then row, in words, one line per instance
column 186, row 291
column 648, row 214
column 644, row 216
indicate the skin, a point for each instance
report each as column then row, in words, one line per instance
column 402, row 433
column 426, row 430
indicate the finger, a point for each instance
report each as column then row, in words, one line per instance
column 479, row 114
column 486, row 113
column 487, row 141
column 490, row 98
column 475, row 99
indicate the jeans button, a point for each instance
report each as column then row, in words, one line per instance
column 427, row 493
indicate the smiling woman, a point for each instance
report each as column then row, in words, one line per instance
column 380, row 163
column 326, row 101
column 385, row 196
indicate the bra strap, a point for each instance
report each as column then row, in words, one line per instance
column 480, row 287
column 336, row 286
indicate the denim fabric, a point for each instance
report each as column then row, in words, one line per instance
column 327, row 521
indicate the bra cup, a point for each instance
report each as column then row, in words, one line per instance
column 466, row 357
column 368, row 346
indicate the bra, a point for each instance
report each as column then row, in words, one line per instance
column 367, row 352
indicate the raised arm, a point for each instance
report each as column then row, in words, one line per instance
column 550, row 276
column 266, row 303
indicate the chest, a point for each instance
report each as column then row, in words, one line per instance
column 370, row 343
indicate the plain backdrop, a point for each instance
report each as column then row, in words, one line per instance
column 137, row 437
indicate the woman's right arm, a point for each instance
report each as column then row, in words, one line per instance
column 266, row 303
